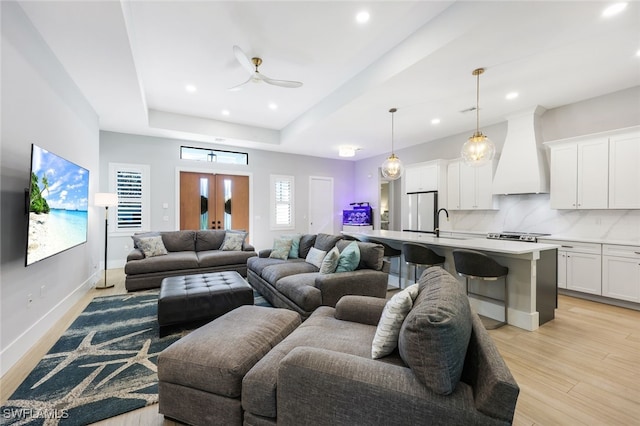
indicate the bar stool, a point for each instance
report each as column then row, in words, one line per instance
column 389, row 253
column 419, row 255
column 476, row 265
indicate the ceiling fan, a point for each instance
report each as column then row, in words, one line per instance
column 256, row 77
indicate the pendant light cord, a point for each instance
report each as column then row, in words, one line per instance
column 392, row 111
column 478, row 103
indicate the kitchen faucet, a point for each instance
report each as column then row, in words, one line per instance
column 437, row 221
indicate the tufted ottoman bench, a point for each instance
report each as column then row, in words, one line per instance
column 200, row 297
column 200, row 376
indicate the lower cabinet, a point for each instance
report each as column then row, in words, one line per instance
column 621, row 272
column 579, row 266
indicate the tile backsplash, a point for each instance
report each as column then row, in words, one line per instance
column 531, row 213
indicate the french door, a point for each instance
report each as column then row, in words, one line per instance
column 214, row 201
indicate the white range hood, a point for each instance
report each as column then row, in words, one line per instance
column 522, row 168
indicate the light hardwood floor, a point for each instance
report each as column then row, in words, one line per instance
column 581, row 368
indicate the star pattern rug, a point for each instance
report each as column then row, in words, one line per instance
column 102, row 366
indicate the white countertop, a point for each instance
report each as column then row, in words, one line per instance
column 480, row 243
column 634, row 242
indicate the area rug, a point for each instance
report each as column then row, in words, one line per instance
column 102, row 366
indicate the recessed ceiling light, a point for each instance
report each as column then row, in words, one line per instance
column 638, row 53
column 190, row 88
column 435, row 121
column 511, row 95
column 225, row 112
column 614, row 9
column 362, row 17
column 273, row 106
column 346, row 151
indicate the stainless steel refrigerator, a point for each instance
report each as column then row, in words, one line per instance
column 420, row 211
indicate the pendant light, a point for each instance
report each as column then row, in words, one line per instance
column 392, row 167
column 478, row 149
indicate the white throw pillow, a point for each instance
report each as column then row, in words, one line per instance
column 330, row 261
column 315, row 257
column 393, row 315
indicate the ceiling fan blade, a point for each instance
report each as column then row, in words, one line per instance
column 243, row 59
column 240, row 86
column 282, row 83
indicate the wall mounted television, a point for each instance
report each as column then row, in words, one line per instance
column 57, row 205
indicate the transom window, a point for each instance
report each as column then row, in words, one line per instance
column 213, row 155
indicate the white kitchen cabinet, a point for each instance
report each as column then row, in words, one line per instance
column 580, row 174
column 624, row 171
column 422, row 177
column 453, row 185
column 579, row 266
column 621, row 272
column 471, row 188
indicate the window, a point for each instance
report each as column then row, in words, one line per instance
column 282, row 205
column 213, row 155
column 130, row 182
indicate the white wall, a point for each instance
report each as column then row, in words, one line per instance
column 163, row 157
column 531, row 212
column 41, row 105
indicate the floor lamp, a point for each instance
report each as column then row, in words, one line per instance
column 105, row 199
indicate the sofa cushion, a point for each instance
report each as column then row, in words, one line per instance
column 210, row 258
column 349, row 258
column 434, row 337
column 395, row 311
column 306, row 242
column 179, row 240
column 371, row 254
column 273, row 273
column 152, row 246
column 330, row 261
column 320, row 330
column 209, row 239
column 294, row 253
column 326, row 242
column 170, row 262
column 136, row 237
column 233, row 241
column 301, row 290
column 315, row 257
column 281, row 248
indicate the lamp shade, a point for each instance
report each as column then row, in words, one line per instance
column 105, row 199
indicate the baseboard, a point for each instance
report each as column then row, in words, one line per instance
column 15, row 350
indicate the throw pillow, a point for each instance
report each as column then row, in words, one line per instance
column 152, row 246
column 315, row 257
column 294, row 253
column 330, row 261
column 281, row 249
column 233, row 241
column 349, row 258
column 136, row 237
column 393, row 315
column 441, row 321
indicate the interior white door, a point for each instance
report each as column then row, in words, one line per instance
column 321, row 205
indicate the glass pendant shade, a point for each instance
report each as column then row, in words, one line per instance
column 478, row 150
column 392, row 167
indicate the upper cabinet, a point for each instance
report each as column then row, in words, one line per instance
column 624, row 171
column 427, row 176
column 596, row 171
column 470, row 188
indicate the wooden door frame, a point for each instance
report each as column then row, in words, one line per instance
column 211, row 171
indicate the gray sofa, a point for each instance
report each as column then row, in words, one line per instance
column 188, row 252
column 445, row 371
column 298, row 285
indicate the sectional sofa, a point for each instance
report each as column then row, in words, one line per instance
column 296, row 284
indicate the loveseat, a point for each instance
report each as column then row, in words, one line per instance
column 296, row 284
column 187, row 252
column 445, row 370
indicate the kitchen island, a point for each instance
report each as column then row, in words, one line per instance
column 531, row 282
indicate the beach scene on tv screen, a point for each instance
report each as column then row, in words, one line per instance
column 58, row 203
